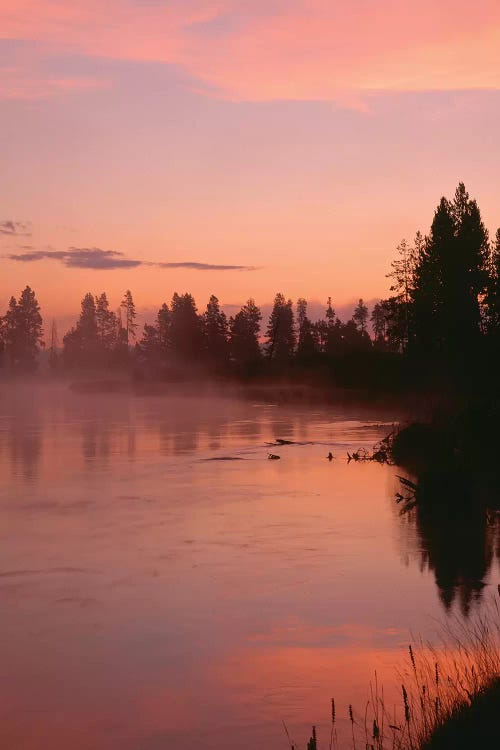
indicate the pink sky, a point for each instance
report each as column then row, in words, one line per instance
column 302, row 139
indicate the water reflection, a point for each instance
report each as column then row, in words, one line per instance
column 458, row 535
column 21, row 446
column 95, row 441
column 160, row 599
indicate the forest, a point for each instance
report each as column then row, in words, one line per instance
column 441, row 320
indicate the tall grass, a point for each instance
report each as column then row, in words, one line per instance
column 438, row 683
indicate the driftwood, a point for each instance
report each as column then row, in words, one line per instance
column 409, row 498
column 381, row 452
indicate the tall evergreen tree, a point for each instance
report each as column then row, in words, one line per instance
column 81, row 343
column 451, row 277
column 23, row 331
column 148, row 348
column 186, row 334
column 379, row 322
column 216, row 333
column 107, row 325
column 333, row 330
column 88, row 322
column 360, row 316
column 307, row 343
column 493, row 293
column 281, row 337
column 129, row 315
column 163, row 320
column 244, row 331
column 54, row 348
column 403, row 284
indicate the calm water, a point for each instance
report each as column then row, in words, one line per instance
column 155, row 598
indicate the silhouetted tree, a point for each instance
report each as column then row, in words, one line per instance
column 493, row 292
column 129, row 315
column 451, row 277
column 280, row 331
column 23, row 332
column 186, row 335
column 2, row 342
column 379, row 322
column 88, row 322
column 321, row 334
column 54, row 347
column 333, row 342
column 360, row 316
column 403, row 284
column 216, row 333
column 148, row 349
column 163, row 321
column 307, row 340
column 396, row 323
column 244, row 331
column 352, row 338
column 81, row 343
column 107, row 325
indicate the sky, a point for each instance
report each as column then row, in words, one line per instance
column 236, row 148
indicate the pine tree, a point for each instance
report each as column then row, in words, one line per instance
column 360, row 316
column 333, row 329
column 163, row 321
column 148, row 348
column 307, row 343
column 216, row 333
column 244, row 331
column 186, row 335
column 379, row 322
column 130, row 315
column 451, row 277
column 54, row 348
column 81, row 343
column 281, row 338
column 23, row 332
column 107, row 325
column 10, row 327
column 493, row 293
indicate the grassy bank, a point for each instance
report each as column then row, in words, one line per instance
column 449, row 696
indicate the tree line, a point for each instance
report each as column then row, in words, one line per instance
column 444, row 309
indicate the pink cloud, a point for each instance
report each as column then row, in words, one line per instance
column 286, row 49
column 18, row 83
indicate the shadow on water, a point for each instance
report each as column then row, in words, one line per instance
column 457, row 520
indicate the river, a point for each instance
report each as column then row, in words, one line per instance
column 155, row 596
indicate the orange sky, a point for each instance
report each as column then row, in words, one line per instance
column 299, row 140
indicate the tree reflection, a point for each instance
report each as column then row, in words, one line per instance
column 458, row 532
column 25, row 449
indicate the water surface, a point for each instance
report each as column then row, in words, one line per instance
column 154, row 596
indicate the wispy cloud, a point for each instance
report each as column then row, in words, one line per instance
column 203, row 266
column 105, row 260
column 79, row 257
column 15, row 228
column 279, row 49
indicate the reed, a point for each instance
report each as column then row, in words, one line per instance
column 444, row 688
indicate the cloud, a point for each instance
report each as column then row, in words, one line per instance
column 204, row 266
column 15, row 228
column 274, row 49
column 79, row 257
column 104, row 260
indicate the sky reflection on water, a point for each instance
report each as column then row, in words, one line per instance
column 155, row 599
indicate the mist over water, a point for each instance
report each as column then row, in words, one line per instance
column 155, row 596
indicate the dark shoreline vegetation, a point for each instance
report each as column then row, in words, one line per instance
column 438, row 332
column 449, row 696
column 433, row 348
